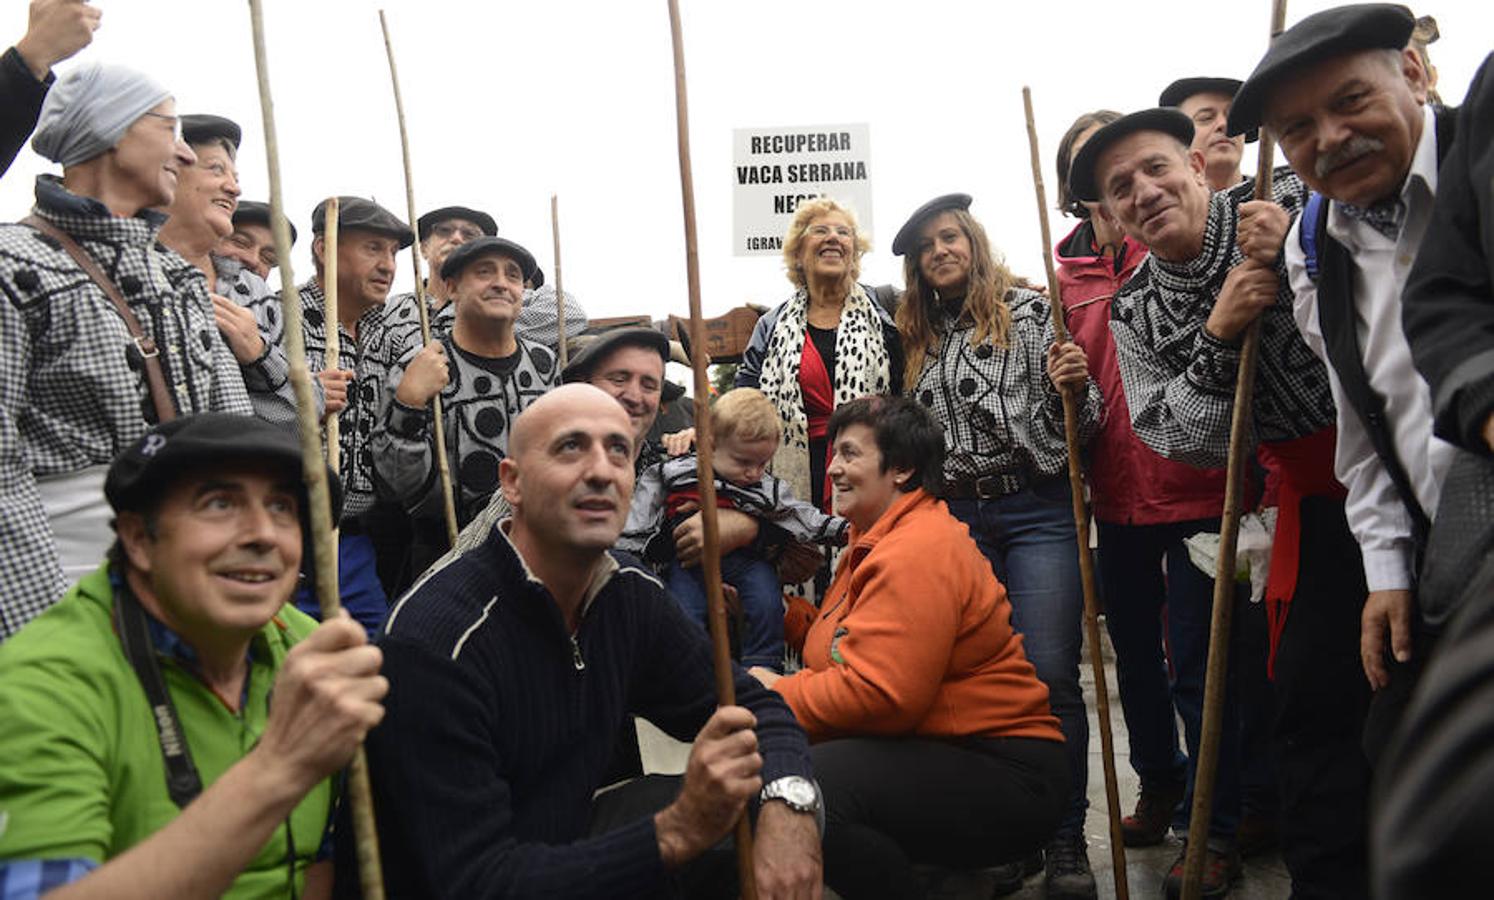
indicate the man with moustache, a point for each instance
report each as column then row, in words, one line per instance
column 173, row 728
column 512, row 672
column 1178, row 323
column 485, row 374
column 369, row 239
column 83, row 374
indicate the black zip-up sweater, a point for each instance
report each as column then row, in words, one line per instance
column 501, row 725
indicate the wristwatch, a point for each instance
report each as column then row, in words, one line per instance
column 800, row 794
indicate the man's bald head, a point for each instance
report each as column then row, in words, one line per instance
column 567, row 400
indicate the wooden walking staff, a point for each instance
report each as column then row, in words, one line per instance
column 710, row 558
column 559, row 289
column 1081, row 526
column 332, row 356
column 443, row 466
column 1216, row 676
column 324, row 538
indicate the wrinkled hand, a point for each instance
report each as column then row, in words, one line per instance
column 56, row 29
column 240, row 331
column 1068, row 367
column 679, row 443
column 1249, row 289
column 736, row 530
column 334, row 389
column 424, row 377
column 722, row 775
column 786, row 856
column 328, row 695
column 1386, row 614
column 1262, row 230
column 799, row 562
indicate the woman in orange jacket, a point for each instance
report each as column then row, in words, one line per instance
column 933, row 738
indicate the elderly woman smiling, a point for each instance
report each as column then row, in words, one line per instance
column 934, row 742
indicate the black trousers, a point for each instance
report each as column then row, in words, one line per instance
column 893, row 802
column 1322, row 701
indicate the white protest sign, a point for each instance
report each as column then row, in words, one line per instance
column 776, row 169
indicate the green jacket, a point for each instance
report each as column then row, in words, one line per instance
column 81, row 772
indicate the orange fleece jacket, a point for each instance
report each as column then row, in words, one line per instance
column 915, row 638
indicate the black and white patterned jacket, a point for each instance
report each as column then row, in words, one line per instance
column 1001, row 414
column 1180, row 380
column 478, row 408
column 267, row 378
column 73, row 393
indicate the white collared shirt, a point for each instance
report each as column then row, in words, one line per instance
column 1376, row 514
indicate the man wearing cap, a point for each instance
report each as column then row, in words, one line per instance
column 56, row 30
column 82, row 374
column 1346, row 100
column 485, row 374
column 252, row 243
column 198, row 219
column 1206, row 102
column 1178, row 324
column 369, row 239
column 439, row 231
column 513, row 670
column 143, row 754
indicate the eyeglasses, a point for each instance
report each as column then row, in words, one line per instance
column 176, row 123
column 844, row 231
column 448, row 229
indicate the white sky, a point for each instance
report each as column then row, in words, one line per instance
column 510, row 101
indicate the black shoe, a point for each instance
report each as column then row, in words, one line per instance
column 1008, row 878
column 1068, row 876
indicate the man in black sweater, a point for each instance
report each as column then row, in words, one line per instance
column 512, row 670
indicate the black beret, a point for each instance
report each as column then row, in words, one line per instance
column 203, row 129
column 1319, row 37
column 468, row 252
column 258, row 213
column 356, row 212
column 581, row 365
column 907, row 236
column 146, row 469
column 1167, row 120
column 1174, row 94
column 425, row 223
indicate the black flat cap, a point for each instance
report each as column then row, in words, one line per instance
column 147, row 468
column 907, row 236
column 1082, row 183
column 581, row 365
column 356, row 212
column 259, row 214
column 469, row 252
column 1319, row 37
column 203, row 129
column 1174, row 94
column 425, row 223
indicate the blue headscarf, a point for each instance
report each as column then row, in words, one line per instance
column 89, row 109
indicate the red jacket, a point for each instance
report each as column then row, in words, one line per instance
column 1131, row 484
column 915, row 638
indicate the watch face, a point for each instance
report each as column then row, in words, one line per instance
column 798, row 791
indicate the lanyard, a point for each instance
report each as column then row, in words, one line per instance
column 182, row 780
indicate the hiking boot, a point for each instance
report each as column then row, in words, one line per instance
column 1153, row 817
column 1008, row 878
column 1257, row 834
column 1221, row 868
column 1068, row 876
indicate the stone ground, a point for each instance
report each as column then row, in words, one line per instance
column 1265, row 877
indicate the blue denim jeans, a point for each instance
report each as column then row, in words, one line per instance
column 1144, row 569
column 756, row 582
column 357, row 581
column 1029, row 539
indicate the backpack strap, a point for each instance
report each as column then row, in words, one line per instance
column 1307, row 234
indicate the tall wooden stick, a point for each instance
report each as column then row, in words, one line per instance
column 332, row 357
column 559, row 284
column 315, row 471
column 1081, row 526
column 710, row 558
column 443, row 466
column 1216, row 676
